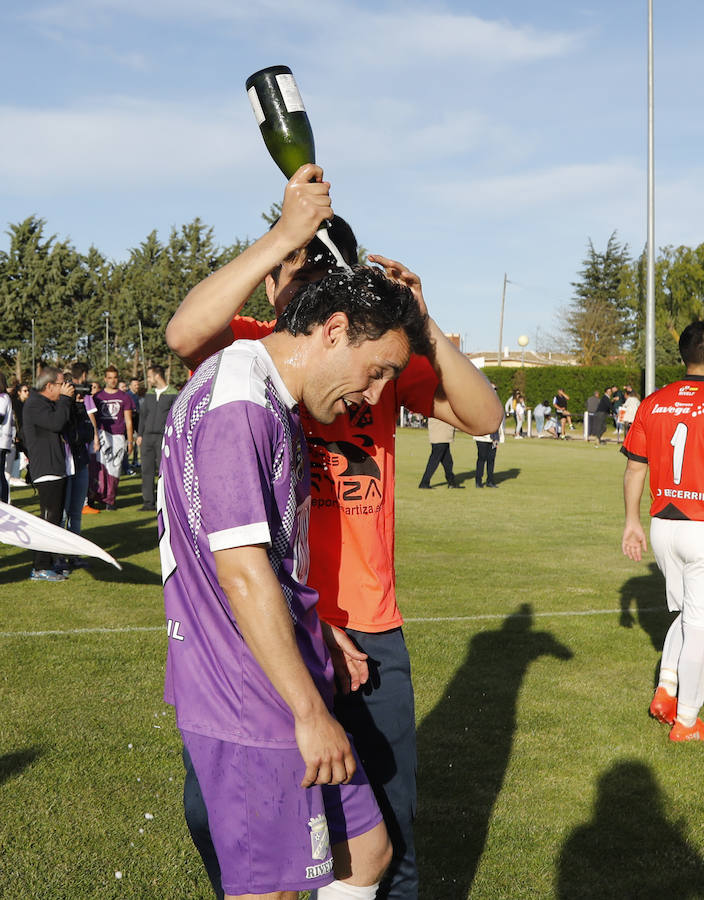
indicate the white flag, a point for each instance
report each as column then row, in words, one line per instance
column 22, row 529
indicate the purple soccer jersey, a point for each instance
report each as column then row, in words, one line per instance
column 234, row 473
column 111, row 410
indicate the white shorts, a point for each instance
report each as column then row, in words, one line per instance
column 678, row 546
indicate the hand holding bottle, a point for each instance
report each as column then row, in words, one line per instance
column 306, row 204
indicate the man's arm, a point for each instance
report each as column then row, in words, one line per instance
column 262, row 615
column 128, row 427
column 633, row 542
column 201, row 324
column 464, row 397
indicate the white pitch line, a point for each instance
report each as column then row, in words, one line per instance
column 412, row 621
column 9, row 634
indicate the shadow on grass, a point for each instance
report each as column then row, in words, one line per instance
column 506, row 475
column 12, row 764
column 122, row 539
column 647, row 594
column 630, row 849
column 464, row 746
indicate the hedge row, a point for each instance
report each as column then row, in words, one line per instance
column 578, row 382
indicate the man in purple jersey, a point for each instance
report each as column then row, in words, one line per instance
column 247, row 668
column 114, row 413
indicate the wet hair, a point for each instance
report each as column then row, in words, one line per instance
column 316, row 255
column 692, row 344
column 372, row 303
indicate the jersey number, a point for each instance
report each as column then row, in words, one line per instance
column 679, row 439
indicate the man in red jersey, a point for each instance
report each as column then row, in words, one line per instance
column 667, row 436
column 352, row 504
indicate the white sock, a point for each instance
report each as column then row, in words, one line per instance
column 671, row 649
column 668, row 680
column 343, row 890
column 690, row 670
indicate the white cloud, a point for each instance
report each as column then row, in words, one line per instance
column 612, row 183
column 48, row 150
column 340, row 28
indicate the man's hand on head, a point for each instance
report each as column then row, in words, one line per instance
column 396, row 271
column 67, row 389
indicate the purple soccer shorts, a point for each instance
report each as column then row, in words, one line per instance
column 269, row 833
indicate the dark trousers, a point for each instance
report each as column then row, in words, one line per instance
column 51, row 506
column 439, row 453
column 150, row 450
column 381, row 719
column 486, row 455
column 4, row 486
column 599, row 425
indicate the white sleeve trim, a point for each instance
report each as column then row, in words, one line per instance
column 242, row 536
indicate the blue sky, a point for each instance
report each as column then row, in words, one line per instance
column 466, row 139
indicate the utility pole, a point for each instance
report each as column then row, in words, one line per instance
column 501, row 321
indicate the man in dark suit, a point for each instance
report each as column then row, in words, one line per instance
column 154, row 409
column 46, row 415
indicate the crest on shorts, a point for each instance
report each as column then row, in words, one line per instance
column 319, row 838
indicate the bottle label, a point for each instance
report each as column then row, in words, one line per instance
column 290, row 94
column 256, row 105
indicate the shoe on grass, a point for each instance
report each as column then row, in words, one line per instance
column 663, row 707
column 110, row 507
column 680, row 732
column 46, row 575
column 89, row 511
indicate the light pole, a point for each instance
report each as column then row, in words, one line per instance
column 650, row 261
column 107, row 338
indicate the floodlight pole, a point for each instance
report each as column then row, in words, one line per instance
column 650, row 253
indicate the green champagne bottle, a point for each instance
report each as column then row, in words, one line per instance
column 282, row 118
column 283, row 122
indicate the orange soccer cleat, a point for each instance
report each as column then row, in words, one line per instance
column 663, row 707
column 680, row 732
column 89, row 511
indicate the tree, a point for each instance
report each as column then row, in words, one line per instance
column 23, row 294
column 679, row 299
column 599, row 320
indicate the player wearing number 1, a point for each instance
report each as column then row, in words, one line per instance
column 667, row 437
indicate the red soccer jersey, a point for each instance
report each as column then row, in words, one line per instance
column 668, row 435
column 352, row 498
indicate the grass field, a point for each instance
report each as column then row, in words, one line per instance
column 534, row 645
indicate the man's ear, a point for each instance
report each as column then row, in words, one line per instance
column 270, row 288
column 335, row 329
